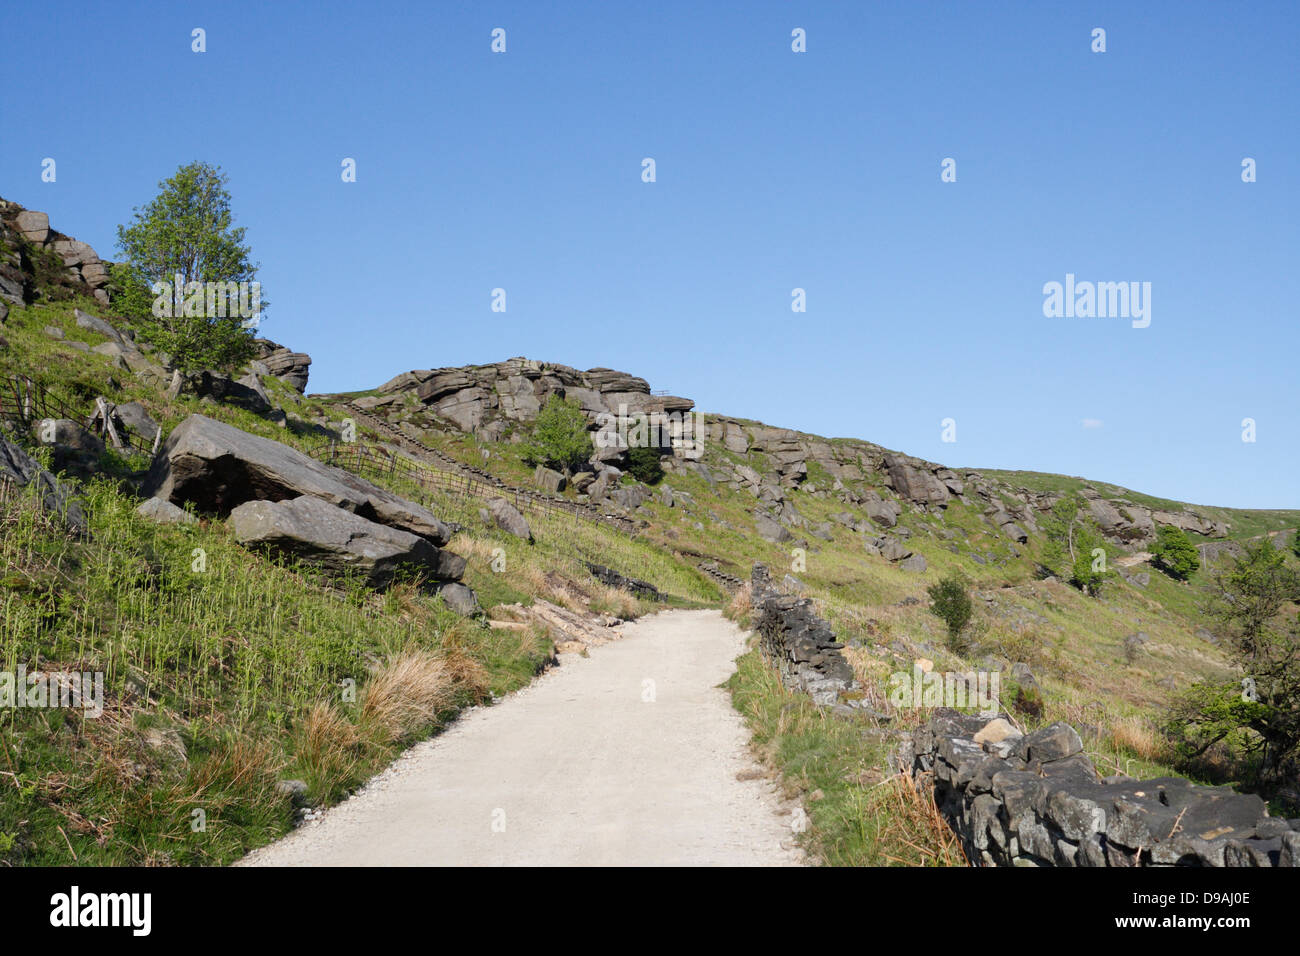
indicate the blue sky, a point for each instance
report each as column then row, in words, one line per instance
column 775, row 170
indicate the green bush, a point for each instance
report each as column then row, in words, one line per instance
column 643, row 463
column 1174, row 553
column 953, row 604
column 560, row 439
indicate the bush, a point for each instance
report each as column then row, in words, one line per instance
column 560, row 439
column 643, row 463
column 953, row 604
column 1174, row 553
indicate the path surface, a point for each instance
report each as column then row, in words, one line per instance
column 576, row 769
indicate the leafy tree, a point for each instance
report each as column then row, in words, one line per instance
column 643, row 463
column 1260, row 714
column 952, row 603
column 560, row 439
column 187, row 231
column 1071, row 546
column 1295, row 543
column 1174, row 552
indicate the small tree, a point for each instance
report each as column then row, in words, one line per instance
column 643, row 463
column 1074, row 548
column 186, row 235
column 560, row 439
column 953, row 604
column 1295, row 543
column 1259, row 714
column 1174, row 552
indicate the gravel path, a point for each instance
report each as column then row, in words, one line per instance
column 632, row 756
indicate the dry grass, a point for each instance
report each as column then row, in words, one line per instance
column 328, row 746
column 1137, row 736
column 407, row 693
column 741, row 607
column 917, row 828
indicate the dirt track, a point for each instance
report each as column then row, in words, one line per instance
column 577, row 769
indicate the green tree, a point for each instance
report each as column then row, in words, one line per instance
column 187, row 231
column 560, row 439
column 1074, row 548
column 953, row 604
column 1295, row 543
column 1260, row 713
column 643, row 463
column 1174, row 552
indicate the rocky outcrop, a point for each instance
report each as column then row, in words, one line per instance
column 1037, row 800
column 77, row 268
column 319, row 532
column 219, row 467
column 486, row 399
column 288, row 366
column 799, row 644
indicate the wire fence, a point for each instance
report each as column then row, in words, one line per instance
column 375, row 460
column 24, row 403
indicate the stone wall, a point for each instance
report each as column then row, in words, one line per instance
column 1037, row 800
column 800, row 645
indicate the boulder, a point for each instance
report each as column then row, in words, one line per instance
column 549, row 480
column 459, row 598
column 35, row 226
column 769, row 529
column 507, row 517
column 20, row 469
column 219, row 467
column 319, row 532
column 914, row 563
column 162, row 511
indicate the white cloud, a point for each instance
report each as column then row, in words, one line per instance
column 1092, row 423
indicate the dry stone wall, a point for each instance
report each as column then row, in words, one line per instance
column 1037, row 800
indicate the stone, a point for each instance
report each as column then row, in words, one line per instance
column 35, row 226
column 914, row 563
column 133, row 417
column 1053, row 742
column 549, row 480
column 53, row 331
column 95, row 324
column 996, row 731
column 508, row 518
column 56, row 497
column 325, row 535
column 163, row 511
column 219, row 467
column 459, row 598
column 769, row 529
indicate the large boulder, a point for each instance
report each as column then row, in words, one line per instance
column 909, row 478
column 319, row 532
column 508, row 519
column 21, row 470
column 219, row 467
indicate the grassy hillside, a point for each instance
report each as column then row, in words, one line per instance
column 230, row 675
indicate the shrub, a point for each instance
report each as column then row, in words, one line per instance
column 560, row 439
column 952, row 603
column 1174, row 553
column 643, row 463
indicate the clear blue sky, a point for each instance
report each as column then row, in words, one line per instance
column 775, row 170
